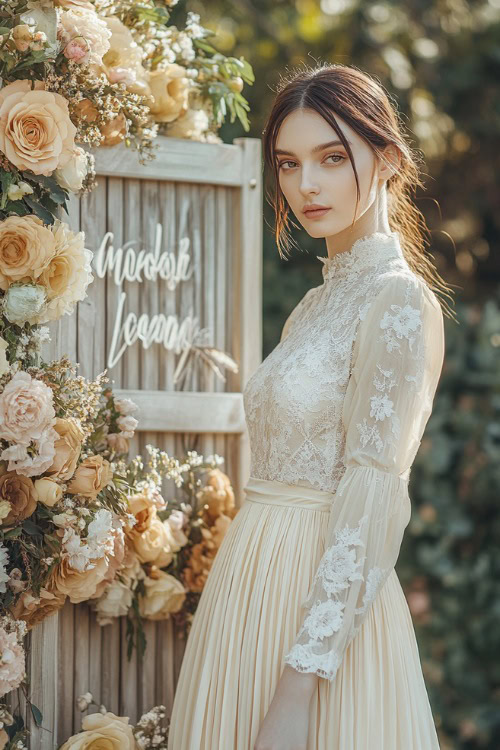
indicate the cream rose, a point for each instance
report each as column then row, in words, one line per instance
column 156, row 544
column 26, row 248
column 164, row 595
column 26, row 409
column 170, row 91
column 193, row 124
column 123, row 61
column 103, row 732
column 93, row 474
column 36, row 132
column 71, row 176
column 68, row 447
column 49, row 492
column 115, row 602
column 68, row 273
column 21, row 494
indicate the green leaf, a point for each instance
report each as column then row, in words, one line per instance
column 4, row 30
column 205, row 46
column 17, row 207
column 13, row 533
column 39, row 210
column 31, row 528
column 37, row 714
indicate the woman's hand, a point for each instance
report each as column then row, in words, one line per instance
column 286, row 724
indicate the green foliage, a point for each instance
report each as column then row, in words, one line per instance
column 450, row 558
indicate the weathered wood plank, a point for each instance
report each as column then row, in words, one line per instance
column 176, row 159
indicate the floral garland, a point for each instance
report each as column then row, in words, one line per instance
column 79, row 521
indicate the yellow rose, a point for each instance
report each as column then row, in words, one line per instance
column 164, row 595
column 170, row 91
column 26, row 248
column 22, row 495
column 68, row 447
column 93, row 474
column 103, row 732
column 36, row 132
column 156, row 544
column 49, row 492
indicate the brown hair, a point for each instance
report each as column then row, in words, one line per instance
column 362, row 102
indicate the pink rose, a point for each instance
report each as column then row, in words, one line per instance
column 26, row 409
column 77, row 49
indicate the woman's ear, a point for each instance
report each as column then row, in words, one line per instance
column 389, row 161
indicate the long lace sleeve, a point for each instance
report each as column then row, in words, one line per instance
column 397, row 361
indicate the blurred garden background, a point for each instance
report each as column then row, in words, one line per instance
column 440, row 59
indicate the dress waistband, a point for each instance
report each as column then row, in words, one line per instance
column 272, row 492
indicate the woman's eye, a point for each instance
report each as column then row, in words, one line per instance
column 336, row 156
column 285, row 162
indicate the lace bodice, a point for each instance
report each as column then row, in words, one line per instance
column 340, row 405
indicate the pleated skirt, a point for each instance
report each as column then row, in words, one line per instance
column 247, row 619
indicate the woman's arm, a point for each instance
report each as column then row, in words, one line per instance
column 397, row 362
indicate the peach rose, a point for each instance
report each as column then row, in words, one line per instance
column 156, row 544
column 144, row 510
column 22, row 495
column 26, row 248
column 26, row 409
column 68, row 447
column 123, row 61
column 170, row 91
column 164, row 595
column 4, row 738
column 103, row 732
column 78, row 585
column 36, row 132
column 114, row 131
column 117, row 443
column 93, row 474
column 33, row 610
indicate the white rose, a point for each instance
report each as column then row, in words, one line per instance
column 125, row 406
column 71, row 176
column 24, row 302
column 115, row 602
column 127, row 424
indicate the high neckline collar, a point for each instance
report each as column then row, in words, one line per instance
column 365, row 252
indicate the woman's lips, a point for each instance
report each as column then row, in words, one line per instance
column 315, row 213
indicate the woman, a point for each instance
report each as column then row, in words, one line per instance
column 302, row 639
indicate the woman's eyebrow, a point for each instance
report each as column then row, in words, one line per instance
column 315, row 149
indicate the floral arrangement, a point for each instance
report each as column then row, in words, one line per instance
column 79, row 73
column 100, row 729
column 171, row 544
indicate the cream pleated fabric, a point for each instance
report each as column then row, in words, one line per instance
column 305, row 574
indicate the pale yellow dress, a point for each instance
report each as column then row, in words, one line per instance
column 305, row 574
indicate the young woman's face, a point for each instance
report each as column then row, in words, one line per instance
column 313, row 172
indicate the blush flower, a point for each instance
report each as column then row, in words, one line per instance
column 36, row 132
